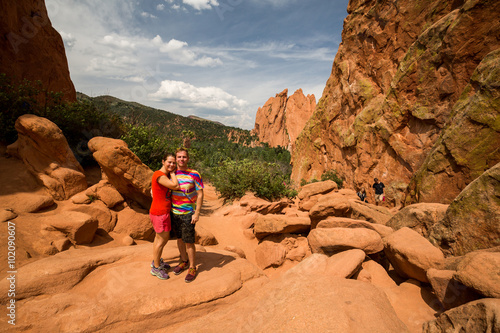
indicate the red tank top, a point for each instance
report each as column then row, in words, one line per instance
column 161, row 196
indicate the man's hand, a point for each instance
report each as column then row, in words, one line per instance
column 195, row 218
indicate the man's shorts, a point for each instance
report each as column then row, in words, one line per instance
column 161, row 223
column 183, row 228
column 379, row 197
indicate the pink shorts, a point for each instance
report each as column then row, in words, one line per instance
column 161, row 223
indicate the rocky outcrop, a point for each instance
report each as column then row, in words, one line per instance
column 32, row 49
column 123, row 169
column 419, row 217
column 406, row 77
column 282, row 118
column 44, row 150
column 471, row 221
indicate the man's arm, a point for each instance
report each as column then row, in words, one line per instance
column 199, row 202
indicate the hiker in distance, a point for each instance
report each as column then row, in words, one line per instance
column 163, row 181
column 186, row 207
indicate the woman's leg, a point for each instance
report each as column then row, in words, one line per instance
column 159, row 243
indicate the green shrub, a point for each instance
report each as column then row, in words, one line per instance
column 332, row 175
column 233, row 178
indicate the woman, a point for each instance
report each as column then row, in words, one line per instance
column 164, row 180
column 362, row 195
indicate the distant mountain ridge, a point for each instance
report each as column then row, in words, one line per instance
column 170, row 123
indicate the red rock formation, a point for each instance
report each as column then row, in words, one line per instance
column 31, row 48
column 280, row 121
column 403, row 75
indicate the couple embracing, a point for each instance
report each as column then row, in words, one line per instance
column 177, row 198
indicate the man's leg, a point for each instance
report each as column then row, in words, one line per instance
column 191, row 252
column 182, row 250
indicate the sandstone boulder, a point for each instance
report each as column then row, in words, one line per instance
column 346, row 263
column 204, row 237
column 45, row 152
column 79, row 227
column 32, row 203
column 105, row 193
column 123, row 169
column 411, row 254
column 334, row 240
column 135, row 224
column 345, row 203
column 420, row 217
column 450, row 292
column 374, row 273
column 471, row 221
column 262, row 206
column 280, row 224
column 106, row 218
column 477, row 316
column 343, row 222
column 236, row 250
column 310, row 193
column 481, row 272
column 270, row 254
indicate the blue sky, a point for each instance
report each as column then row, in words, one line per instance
column 216, row 59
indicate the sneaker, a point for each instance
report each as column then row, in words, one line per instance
column 191, row 275
column 159, row 273
column 163, row 265
column 181, row 267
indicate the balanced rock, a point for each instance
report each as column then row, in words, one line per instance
column 45, row 152
column 411, row 254
column 334, row 240
column 123, row 169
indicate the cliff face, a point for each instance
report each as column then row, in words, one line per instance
column 282, row 118
column 406, row 101
column 31, row 48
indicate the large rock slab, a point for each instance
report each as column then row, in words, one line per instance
column 474, row 317
column 411, row 254
column 471, row 221
column 123, row 169
column 280, row 224
column 74, row 304
column 481, row 272
column 333, row 240
column 420, row 217
column 46, row 153
column 343, row 222
column 287, row 305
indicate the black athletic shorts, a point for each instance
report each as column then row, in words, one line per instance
column 183, row 228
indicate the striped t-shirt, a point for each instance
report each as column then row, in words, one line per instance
column 184, row 200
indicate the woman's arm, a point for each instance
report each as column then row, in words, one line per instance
column 172, row 183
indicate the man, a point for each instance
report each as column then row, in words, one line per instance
column 186, row 207
column 379, row 191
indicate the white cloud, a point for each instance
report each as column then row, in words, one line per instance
column 148, row 15
column 178, row 51
column 116, row 41
column 160, row 7
column 201, row 4
column 207, row 97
